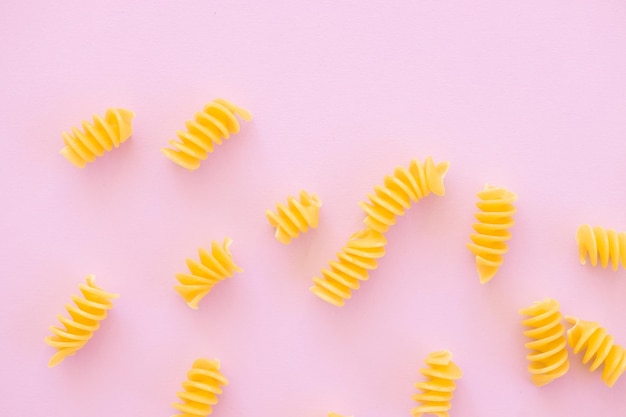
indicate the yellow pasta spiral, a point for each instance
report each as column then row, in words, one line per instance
column 548, row 357
column 606, row 243
column 212, row 125
column 297, row 216
column 204, row 383
column 492, row 230
column 84, row 320
column 436, row 395
column 400, row 189
column 599, row 346
column 101, row 135
column 212, row 268
column 335, row 415
column 353, row 264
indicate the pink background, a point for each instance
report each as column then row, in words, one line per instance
column 528, row 95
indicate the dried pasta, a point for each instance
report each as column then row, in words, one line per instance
column 212, row 268
column 436, row 396
column 336, row 415
column 295, row 217
column 204, row 383
column 605, row 243
column 495, row 219
column 102, row 135
column 84, row 320
column 548, row 357
column 215, row 123
column 598, row 345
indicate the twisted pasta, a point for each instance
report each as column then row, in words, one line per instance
column 204, row 383
column 99, row 136
column 212, row 268
column 84, row 320
column 400, row 189
column 598, row 344
column 606, row 243
column 492, row 230
column 437, row 391
column 548, row 357
column 335, row 415
column 295, row 217
column 215, row 123
column 353, row 262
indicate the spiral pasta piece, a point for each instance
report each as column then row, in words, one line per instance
column 436, row 395
column 354, row 261
column 336, row 415
column 210, row 126
column 204, row 383
column 548, row 357
column 84, row 320
column 495, row 219
column 606, row 243
column 399, row 190
column 102, row 135
column 212, row 268
column 295, row 217
column 599, row 346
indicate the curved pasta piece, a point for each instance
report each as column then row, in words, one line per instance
column 204, row 383
column 295, row 217
column 102, row 135
column 605, row 243
column 495, row 219
column 599, row 346
column 212, row 268
column 436, row 395
column 548, row 357
column 215, row 123
column 84, row 320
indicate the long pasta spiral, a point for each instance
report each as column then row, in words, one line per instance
column 406, row 185
column 599, row 346
column 606, row 243
column 204, row 383
column 495, row 219
column 295, row 217
column 212, row 268
column 354, row 261
column 548, row 357
column 436, row 395
column 101, row 135
column 216, row 122
column 84, row 320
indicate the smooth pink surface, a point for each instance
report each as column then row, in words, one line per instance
column 528, row 95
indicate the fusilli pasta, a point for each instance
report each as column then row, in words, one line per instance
column 436, row 395
column 295, row 217
column 605, row 243
column 204, row 383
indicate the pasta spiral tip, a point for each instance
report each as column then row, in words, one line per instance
column 296, row 217
column 204, row 383
column 436, row 395
column 607, row 244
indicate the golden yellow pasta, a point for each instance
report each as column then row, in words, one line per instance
column 212, row 268
column 599, row 346
column 101, row 135
column 492, row 230
column 336, row 415
column 548, row 357
column 353, row 262
column 606, row 243
column 204, row 383
column 400, row 189
column 212, row 125
column 436, row 396
column 295, row 217
column 85, row 318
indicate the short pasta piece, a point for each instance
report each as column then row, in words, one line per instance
column 605, row 243
column 548, row 357
column 212, row 268
column 215, row 123
column 102, row 135
column 436, row 396
column 85, row 318
column 296, row 217
column 204, row 383
column 495, row 219
column 336, row 415
column 598, row 345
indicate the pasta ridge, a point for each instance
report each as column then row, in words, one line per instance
column 204, row 384
column 607, row 244
column 296, row 217
column 437, row 390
